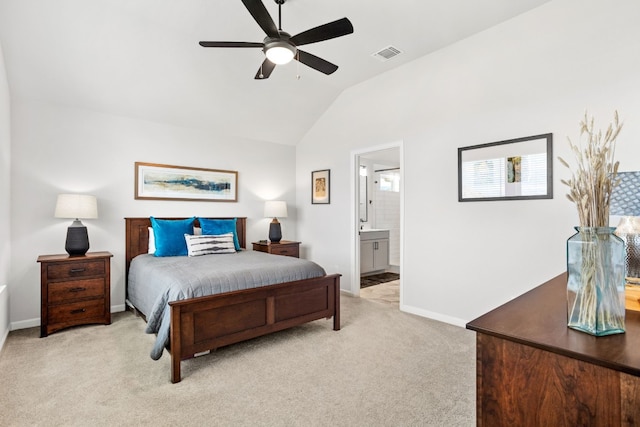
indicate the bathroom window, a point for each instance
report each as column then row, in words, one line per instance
column 390, row 181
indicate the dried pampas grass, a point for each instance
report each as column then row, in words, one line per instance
column 594, row 300
column 595, row 177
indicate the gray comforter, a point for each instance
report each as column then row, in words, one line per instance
column 155, row 281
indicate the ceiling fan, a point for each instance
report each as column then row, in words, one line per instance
column 280, row 47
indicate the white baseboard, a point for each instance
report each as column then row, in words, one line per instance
column 25, row 324
column 434, row 316
column 424, row 313
column 118, row 308
column 5, row 327
column 3, row 339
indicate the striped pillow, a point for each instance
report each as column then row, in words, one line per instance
column 207, row 244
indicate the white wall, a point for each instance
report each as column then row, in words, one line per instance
column 5, row 196
column 57, row 149
column 534, row 74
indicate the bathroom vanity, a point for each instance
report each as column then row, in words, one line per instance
column 374, row 251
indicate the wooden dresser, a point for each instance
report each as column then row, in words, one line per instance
column 285, row 247
column 74, row 290
column 532, row 370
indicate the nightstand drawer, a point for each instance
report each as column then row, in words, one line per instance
column 284, row 247
column 285, row 250
column 76, row 311
column 76, row 289
column 75, row 269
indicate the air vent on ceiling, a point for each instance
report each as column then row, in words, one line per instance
column 387, row 53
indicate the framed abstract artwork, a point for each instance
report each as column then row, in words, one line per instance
column 166, row 182
column 321, row 187
column 516, row 169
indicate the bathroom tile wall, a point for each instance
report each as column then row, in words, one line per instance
column 387, row 215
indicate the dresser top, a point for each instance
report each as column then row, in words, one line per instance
column 538, row 318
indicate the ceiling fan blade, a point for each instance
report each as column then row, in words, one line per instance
column 334, row 29
column 316, row 63
column 231, row 44
column 261, row 15
column 265, row 70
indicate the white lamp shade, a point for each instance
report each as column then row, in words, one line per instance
column 280, row 52
column 275, row 209
column 79, row 206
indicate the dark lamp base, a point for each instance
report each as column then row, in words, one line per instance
column 275, row 232
column 77, row 239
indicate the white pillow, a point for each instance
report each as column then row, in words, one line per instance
column 209, row 245
column 152, row 239
column 152, row 242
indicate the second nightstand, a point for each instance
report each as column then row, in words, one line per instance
column 285, row 247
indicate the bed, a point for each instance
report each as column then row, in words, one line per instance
column 202, row 323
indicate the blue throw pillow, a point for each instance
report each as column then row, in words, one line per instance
column 169, row 235
column 220, row 226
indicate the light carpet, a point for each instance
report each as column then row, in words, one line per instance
column 386, row 293
column 384, row 368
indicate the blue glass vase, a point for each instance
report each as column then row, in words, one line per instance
column 596, row 278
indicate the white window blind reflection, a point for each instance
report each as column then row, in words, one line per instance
column 488, row 177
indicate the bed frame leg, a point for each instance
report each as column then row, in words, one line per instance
column 175, row 369
column 175, row 344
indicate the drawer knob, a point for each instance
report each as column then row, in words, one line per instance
column 78, row 311
column 77, row 270
column 78, row 289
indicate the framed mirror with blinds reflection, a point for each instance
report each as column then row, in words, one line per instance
column 516, row 169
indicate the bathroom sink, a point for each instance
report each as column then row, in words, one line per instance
column 374, row 234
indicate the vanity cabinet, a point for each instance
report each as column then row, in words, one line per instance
column 374, row 250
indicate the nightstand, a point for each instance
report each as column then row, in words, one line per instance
column 74, row 290
column 285, row 247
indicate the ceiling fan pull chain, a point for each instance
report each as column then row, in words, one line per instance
column 297, row 65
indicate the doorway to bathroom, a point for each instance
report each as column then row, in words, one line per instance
column 378, row 227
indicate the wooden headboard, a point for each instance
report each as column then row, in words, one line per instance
column 137, row 236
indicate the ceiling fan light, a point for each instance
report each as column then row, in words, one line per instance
column 280, row 52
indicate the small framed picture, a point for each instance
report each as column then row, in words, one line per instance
column 320, row 187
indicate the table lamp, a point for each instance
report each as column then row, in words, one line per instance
column 625, row 202
column 275, row 209
column 76, row 206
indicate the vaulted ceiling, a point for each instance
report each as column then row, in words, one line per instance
column 141, row 58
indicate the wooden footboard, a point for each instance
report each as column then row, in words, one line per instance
column 206, row 323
